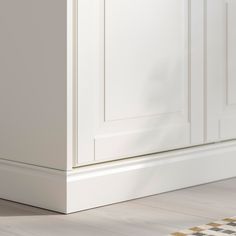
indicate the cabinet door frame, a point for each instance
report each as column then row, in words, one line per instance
column 220, row 111
column 90, row 105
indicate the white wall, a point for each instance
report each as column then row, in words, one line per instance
column 33, row 82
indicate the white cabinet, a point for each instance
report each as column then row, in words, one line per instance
column 134, row 78
column 160, row 74
column 102, row 93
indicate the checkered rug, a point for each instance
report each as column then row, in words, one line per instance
column 225, row 227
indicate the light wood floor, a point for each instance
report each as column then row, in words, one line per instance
column 156, row 215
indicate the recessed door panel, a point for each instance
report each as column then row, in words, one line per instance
column 145, row 58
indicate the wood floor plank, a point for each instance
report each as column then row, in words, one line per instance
column 135, row 219
column 190, row 207
column 211, row 201
column 49, row 226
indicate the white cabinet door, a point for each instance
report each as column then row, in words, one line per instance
column 139, row 92
column 221, row 70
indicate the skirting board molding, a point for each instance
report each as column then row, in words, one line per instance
column 102, row 184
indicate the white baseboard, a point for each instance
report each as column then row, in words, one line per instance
column 103, row 184
column 148, row 175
